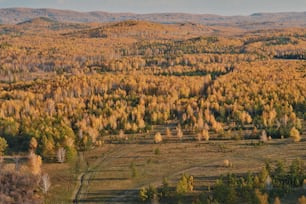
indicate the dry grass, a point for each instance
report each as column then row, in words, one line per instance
column 117, row 171
column 112, row 181
column 63, row 180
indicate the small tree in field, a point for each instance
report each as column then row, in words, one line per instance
column 158, row 138
column 185, row 184
column 227, row 163
column 168, row 132
column 205, row 134
column 61, row 155
column 295, row 134
column 34, row 163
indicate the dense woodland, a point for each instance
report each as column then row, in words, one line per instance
column 71, row 86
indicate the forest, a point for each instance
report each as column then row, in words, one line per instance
column 69, row 91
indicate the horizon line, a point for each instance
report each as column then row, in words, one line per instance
column 150, row 13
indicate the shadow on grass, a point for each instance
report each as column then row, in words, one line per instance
column 107, row 170
column 112, row 196
column 109, row 179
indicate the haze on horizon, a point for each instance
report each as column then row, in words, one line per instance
column 221, row 7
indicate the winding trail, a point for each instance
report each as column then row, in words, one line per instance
column 84, row 178
column 78, row 188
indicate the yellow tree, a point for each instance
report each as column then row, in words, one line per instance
column 34, row 163
column 158, row 138
column 295, row 134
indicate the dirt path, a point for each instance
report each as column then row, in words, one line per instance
column 78, row 188
column 81, row 190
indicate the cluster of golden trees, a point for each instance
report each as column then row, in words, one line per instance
column 68, row 90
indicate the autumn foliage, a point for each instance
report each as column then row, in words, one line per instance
column 69, row 88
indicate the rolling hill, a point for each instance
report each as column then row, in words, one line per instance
column 254, row 21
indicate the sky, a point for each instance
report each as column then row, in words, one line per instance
column 221, row 7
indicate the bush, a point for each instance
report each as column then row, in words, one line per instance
column 185, row 184
column 18, row 188
column 149, row 193
column 143, row 194
column 157, row 151
column 227, row 163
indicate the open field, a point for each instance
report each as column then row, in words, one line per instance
column 110, row 178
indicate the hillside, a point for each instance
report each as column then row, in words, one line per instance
column 147, row 30
column 254, row 21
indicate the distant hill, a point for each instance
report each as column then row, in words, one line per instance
column 41, row 24
column 254, row 21
column 38, row 20
column 145, row 29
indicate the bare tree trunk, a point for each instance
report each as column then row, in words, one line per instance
column 61, row 155
column 17, row 166
column 45, row 183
